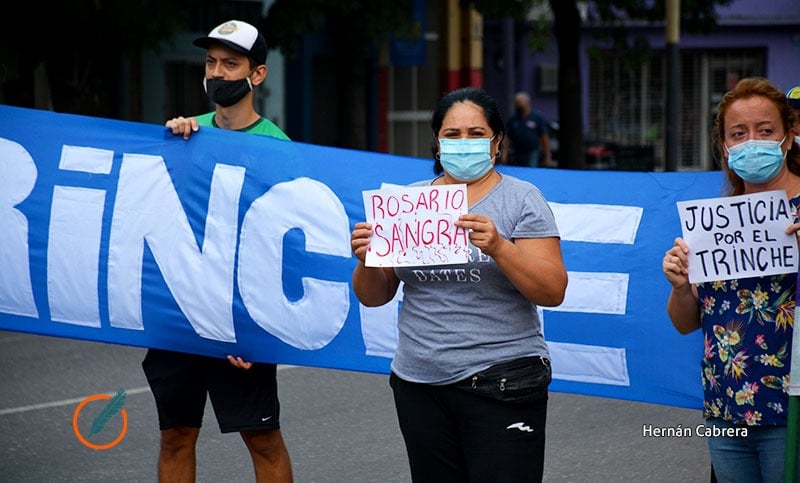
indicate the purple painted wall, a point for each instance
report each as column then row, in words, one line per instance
column 771, row 10
column 773, row 25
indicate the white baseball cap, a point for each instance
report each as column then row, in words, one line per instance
column 239, row 36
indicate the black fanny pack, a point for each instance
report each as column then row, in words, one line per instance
column 519, row 381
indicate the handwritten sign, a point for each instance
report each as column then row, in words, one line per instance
column 416, row 225
column 739, row 236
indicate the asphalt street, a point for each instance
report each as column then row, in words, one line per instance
column 340, row 426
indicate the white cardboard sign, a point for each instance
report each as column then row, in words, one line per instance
column 415, row 225
column 739, row 236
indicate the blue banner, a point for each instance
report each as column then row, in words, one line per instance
column 230, row 243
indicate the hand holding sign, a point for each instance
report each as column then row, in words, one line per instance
column 416, row 225
column 738, row 236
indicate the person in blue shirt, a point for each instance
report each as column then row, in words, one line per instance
column 528, row 135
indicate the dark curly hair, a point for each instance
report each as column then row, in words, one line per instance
column 475, row 95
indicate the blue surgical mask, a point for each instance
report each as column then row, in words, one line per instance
column 466, row 159
column 756, row 161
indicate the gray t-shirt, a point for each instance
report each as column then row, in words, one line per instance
column 456, row 320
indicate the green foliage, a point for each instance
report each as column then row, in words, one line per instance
column 81, row 44
column 615, row 16
column 540, row 34
column 516, row 9
column 361, row 24
column 94, row 28
column 697, row 16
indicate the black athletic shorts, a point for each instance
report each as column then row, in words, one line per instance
column 243, row 400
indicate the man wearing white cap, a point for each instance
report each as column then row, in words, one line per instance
column 236, row 58
column 244, row 394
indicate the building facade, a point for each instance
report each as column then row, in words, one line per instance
column 624, row 104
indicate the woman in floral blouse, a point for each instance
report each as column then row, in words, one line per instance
column 746, row 323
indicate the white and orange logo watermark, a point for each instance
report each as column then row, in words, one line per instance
column 113, row 406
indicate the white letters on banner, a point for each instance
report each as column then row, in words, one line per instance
column 147, row 208
column 200, row 277
column 312, row 322
column 17, row 179
column 200, row 272
column 74, row 240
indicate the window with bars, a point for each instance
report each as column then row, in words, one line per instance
column 627, row 102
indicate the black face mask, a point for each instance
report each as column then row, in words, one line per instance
column 520, row 111
column 227, row 93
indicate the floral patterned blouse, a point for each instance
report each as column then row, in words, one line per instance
column 747, row 334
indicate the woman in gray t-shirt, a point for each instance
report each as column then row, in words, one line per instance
column 471, row 369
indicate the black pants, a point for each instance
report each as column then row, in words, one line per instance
column 456, row 435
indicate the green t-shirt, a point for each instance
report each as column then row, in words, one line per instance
column 263, row 126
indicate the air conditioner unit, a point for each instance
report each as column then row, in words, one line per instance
column 548, row 78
